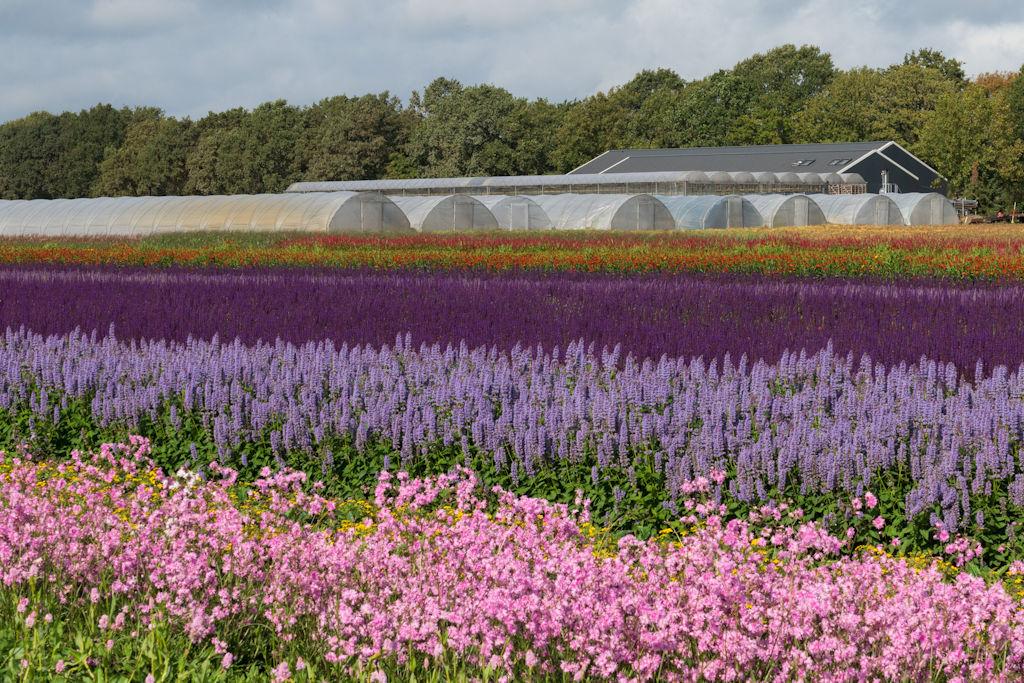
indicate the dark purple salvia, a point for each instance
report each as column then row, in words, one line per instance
column 646, row 315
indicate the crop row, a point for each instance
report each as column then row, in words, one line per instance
column 649, row 315
column 937, row 446
column 274, row 580
column 975, row 253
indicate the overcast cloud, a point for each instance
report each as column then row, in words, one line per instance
column 193, row 56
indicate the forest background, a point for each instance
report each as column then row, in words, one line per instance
column 970, row 129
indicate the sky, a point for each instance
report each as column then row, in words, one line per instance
column 190, row 57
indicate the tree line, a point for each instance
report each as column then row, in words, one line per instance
column 971, row 130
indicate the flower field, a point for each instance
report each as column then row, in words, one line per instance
column 773, row 455
column 647, row 315
column 950, row 252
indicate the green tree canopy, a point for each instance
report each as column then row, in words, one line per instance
column 968, row 138
column 28, row 148
column 951, row 69
column 150, row 161
column 872, row 104
column 246, row 152
column 475, row 130
column 352, row 138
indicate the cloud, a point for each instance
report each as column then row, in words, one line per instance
column 193, row 56
column 141, row 14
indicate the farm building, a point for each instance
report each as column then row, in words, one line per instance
column 346, row 212
column 516, row 212
column 711, row 211
column 659, row 182
column 870, row 160
column 605, row 212
column 925, row 208
column 452, row 213
column 784, row 210
column 859, row 209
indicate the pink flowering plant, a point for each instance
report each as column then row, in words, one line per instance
column 111, row 565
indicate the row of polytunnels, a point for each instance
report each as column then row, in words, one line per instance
column 371, row 212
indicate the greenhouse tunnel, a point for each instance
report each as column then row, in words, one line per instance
column 340, row 212
column 605, row 212
column 516, row 212
column 785, row 210
column 446, row 213
column 711, row 211
column 858, row 209
column 925, row 208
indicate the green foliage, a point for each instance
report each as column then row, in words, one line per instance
column 352, row 138
column 476, row 130
column 70, row 646
column 951, row 69
column 873, row 104
column 1015, row 104
column 246, row 153
column 27, row 147
column 151, row 161
column 968, row 138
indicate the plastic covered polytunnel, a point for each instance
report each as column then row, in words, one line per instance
column 446, row 213
column 742, row 178
column 711, row 211
column 346, row 212
column 858, row 209
column 784, row 210
column 516, row 212
column 605, row 212
column 925, row 208
column 810, row 178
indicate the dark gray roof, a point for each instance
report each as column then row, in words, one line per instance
column 817, row 158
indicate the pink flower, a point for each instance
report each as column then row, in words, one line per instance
column 109, row 644
column 226, row 661
column 878, row 522
column 47, row 617
column 943, row 535
column 59, row 666
column 282, row 672
column 150, row 678
column 378, row 676
column 104, row 622
column 896, row 542
column 30, row 620
column 870, row 501
column 22, row 605
column 856, row 504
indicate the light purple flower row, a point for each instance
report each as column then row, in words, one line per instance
column 821, row 422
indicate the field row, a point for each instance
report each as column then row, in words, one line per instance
column 112, row 564
column 975, row 252
column 940, row 449
column 644, row 315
